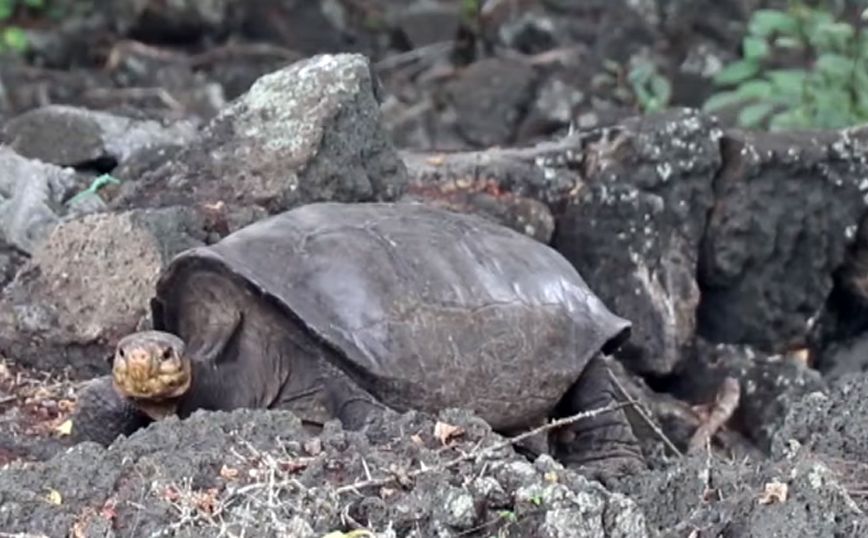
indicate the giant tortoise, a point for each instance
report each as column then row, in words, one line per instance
column 337, row 310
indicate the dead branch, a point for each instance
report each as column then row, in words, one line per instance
column 724, row 407
column 379, row 482
column 550, row 171
column 644, row 414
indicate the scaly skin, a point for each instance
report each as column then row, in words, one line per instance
column 151, row 369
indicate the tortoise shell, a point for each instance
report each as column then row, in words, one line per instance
column 425, row 307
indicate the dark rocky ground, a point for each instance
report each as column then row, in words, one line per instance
column 739, row 256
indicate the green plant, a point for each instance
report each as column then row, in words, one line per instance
column 831, row 92
column 639, row 83
column 651, row 89
column 13, row 37
column 470, row 9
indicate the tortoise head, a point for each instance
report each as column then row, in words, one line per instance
column 151, row 369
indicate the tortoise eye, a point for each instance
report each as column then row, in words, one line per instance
column 121, row 352
column 167, row 354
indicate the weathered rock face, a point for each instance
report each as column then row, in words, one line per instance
column 168, row 18
column 830, row 422
column 769, row 385
column 11, row 259
column 634, row 229
column 305, row 133
column 488, row 98
column 31, row 198
column 90, row 281
column 70, row 136
column 786, row 207
column 816, row 469
column 266, row 475
column 753, row 500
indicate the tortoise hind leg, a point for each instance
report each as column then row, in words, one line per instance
column 603, row 446
column 101, row 414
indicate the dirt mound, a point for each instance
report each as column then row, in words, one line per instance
column 261, row 474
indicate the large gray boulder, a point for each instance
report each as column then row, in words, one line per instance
column 308, row 132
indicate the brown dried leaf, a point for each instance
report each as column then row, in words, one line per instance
column 228, row 473
column 171, row 494
column 802, row 355
column 54, row 497
column 108, row 510
column 446, row 432
column 416, row 438
column 64, row 429
column 82, row 523
column 294, row 466
column 206, row 500
column 774, row 492
column 436, row 160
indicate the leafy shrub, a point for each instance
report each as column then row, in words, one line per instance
column 831, row 93
column 12, row 37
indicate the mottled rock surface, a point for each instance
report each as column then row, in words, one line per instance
column 636, row 224
column 88, row 284
column 488, row 99
column 786, row 207
column 72, row 136
column 31, row 198
column 737, row 498
column 769, row 385
column 263, row 473
column 304, row 133
column 812, row 485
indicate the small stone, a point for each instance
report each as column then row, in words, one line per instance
column 460, row 509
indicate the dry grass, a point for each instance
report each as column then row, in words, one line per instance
column 263, row 492
column 33, row 404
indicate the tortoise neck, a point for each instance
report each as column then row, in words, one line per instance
column 158, row 410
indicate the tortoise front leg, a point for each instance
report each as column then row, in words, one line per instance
column 102, row 414
column 348, row 402
column 603, row 446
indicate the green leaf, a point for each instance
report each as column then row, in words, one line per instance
column 824, row 33
column 754, row 48
column 837, row 34
column 786, row 42
column 661, row 87
column 6, row 10
column 765, row 22
column 755, row 89
column 752, row 115
column 832, row 108
column 640, row 73
column 788, row 119
column 721, row 100
column 15, row 38
column 790, row 80
column 736, row 72
column 834, row 65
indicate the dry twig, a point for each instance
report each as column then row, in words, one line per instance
column 644, row 414
column 379, row 482
column 724, row 406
